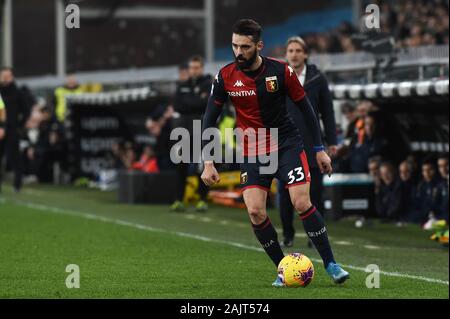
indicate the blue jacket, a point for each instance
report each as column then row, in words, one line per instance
column 316, row 87
column 426, row 198
column 441, row 200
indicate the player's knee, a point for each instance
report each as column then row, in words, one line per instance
column 302, row 203
column 256, row 214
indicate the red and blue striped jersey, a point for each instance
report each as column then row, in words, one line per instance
column 260, row 102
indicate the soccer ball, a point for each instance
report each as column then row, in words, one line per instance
column 296, row 270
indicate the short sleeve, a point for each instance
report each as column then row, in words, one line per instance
column 294, row 89
column 218, row 92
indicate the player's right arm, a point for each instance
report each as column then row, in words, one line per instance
column 216, row 100
column 2, row 118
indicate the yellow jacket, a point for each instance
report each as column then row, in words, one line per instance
column 60, row 100
column 2, row 104
column 2, row 110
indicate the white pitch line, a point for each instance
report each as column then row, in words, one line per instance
column 342, row 243
column 198, row 237
column 373, row 247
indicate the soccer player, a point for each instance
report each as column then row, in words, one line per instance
column 257, row 87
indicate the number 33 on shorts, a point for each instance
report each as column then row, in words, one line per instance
column 296, row 175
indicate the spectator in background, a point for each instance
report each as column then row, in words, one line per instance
column 45, row 146
column 355, row 134
column 373, row 144
column 412, row 23
column 183, row 72
column 128, row 155
column 416, row 174
column 159, row 129
column 117, row 155
column 427, row 191
column 148, row 162
column 442, row 188
column 374, row 171
column 70, row 87
column 190, row 104
column 389, row 201
column 349, row 111
column 409, row 192
column 124, row 155
column 16, row 103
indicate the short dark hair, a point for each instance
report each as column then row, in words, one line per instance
column 197, row 58
column 388, row 164
column 429, row 161
column 248, row 27
column 376, row 159
column 443, row 156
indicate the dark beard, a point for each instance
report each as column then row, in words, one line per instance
column 246, row 64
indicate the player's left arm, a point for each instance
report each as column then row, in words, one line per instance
column 298, row 96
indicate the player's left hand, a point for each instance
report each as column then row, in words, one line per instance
column 324, row 162
column 2, row 133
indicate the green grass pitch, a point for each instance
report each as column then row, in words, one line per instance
column 141, row 251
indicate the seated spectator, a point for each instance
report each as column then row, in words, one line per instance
column 427, row 190
column 374, row 171
column 373, row 144
column 354, row 137
column 123, row 155
column 148, row 162
column 409, row 187
column 349, row 111
column 416, row 174
column 159, row 127
column 442, row 194
column 43, row 145
column 389, row 199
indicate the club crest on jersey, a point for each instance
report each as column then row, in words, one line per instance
column 244, row 178
column 271, row 84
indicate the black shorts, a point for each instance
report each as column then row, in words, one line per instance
column 292, row 170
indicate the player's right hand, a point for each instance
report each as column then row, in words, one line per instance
column 2, row 133
column 210, row 176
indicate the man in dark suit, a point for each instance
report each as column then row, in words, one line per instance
column 16, row 107
column 190, row 104
column 316, row 87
